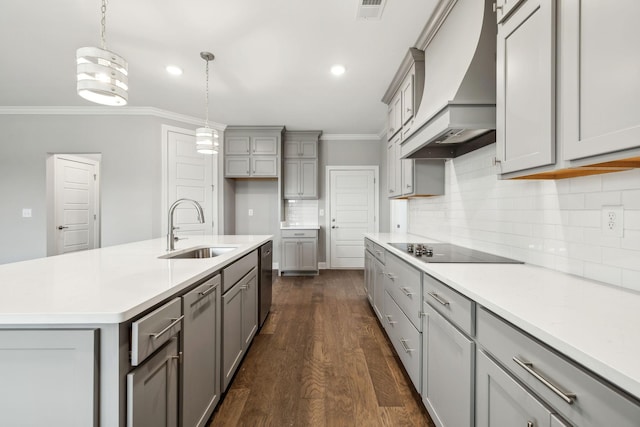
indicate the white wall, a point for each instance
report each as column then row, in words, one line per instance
column 555, row 224
column 131, row 175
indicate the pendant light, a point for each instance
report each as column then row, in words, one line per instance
column 207, row 138
column 102, row 74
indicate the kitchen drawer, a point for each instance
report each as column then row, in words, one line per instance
column 379, row 252
column 595, row 404
column 406, row 339
column 153, row 330
column 368, row 245
column 298, row 233
column 404, row 284
column 238, row 270
column 459, row 309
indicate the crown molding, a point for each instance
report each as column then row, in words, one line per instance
column 110, row 111
column 350, row 137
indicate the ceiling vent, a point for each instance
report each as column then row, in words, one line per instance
column 370, row 10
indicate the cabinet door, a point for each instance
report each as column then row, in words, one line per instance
column 505, row 7
column 309, row 149
column 599, row 78
column 308, row 184
column 292, row 149
column 407, row 176
column 264, row 166
column 49, row 377
column 396, row 123
column 447, row 371
column 392, row 164
column 152, row 390
column 237, row 145
column 291, row 179
column 525, row 98
column 308, row 254
column 378, row 288
column 232, row 343
column 501, row 401
column 201, row 352
column 264, row 145
column 368, row 276
column 289, row 254
column 249, row 308
column 407, row 98
column 236, row 166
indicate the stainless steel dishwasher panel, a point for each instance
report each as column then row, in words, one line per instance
column 265, row 291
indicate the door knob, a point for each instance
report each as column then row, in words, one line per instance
column 334, row 226
column 62, row 227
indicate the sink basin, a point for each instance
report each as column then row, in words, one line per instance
column 199, row 252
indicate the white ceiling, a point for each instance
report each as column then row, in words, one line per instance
column 272, row 57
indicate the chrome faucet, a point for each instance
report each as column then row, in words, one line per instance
column 171, row 238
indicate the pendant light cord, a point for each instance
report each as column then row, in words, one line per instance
column 103, row 24
column 206, row 117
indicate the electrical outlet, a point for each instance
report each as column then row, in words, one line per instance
column 26, row 213
column 250, row 212
column 321, row 212
column 613, row 221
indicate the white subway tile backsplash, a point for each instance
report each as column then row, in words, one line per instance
column 554, row 224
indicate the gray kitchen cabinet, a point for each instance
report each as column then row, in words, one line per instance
column 301, row 164
column 395, row 115
column 572, row 392
column 394, row 173
column 252, row 151
column 404, row 284
column 447, row 371
column 375, row 277
column 60, row 369
column 152, row 389
column 598, row 89
column 301, row 179
column 502, row 401
column 239, row 313
column 368, row 276
column 378, row 288
column 525, row 93
column 299, row 251
column 201, row 352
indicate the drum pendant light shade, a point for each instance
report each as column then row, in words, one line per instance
column 207, row 138
column 102, row 76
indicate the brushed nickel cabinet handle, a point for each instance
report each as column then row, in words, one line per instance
column 564, row 395
column 406, row 346
column 165, row 330
column 438, row 298
column 407, row 291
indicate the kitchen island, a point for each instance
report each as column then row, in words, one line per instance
column 98, row 295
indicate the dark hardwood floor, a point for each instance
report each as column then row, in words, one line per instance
column 321, row 359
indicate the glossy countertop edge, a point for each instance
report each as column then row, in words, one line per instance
column 570, row 327
column 191, row 272
column 299, row 227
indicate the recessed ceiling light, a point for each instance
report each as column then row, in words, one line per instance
column 338, row 70
column 174, row 70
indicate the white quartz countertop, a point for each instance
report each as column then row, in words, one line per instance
column 108, row 285
column 300, row 227
column 590, row 322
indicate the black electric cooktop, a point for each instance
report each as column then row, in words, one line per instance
column 445, row 252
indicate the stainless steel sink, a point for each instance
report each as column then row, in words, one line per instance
column 199, row 252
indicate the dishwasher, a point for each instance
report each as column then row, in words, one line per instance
column 265, row 281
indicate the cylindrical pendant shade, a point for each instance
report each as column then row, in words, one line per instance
column 207, row 141
column 102, row 76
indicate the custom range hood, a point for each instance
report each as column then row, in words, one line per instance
column 457, row 113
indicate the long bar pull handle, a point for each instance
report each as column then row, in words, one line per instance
column 391, row 322
column 406, row 347
column 391, row 276
column 407, row 291
column 530, row 424
column 439, row 298
column 165, row 330
column 528, row 366
column 208, row 291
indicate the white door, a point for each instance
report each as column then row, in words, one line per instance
column 352, row 213
column 190, row 175
column 75, row 199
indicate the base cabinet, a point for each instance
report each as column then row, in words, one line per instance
column 501, row 401
column 299, row 252
column 201, row 352
column 152, row 389
column 447, row 371
column 239, row 323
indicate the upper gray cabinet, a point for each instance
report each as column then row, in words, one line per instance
column 525, row 98
column 567, row 98
column 301, row 164
column 599, row 77
column 252, row 151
